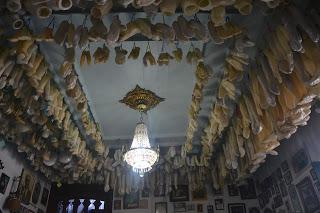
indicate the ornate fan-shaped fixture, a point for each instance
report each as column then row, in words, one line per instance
column 140, row 155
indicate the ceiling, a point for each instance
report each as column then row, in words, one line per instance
column 105, row 84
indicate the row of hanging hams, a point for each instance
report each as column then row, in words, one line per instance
column 182, row 30
column 43, row 9
column 277, row 98
column 28, row 51
column 31, row 97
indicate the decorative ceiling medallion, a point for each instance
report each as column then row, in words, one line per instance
column 141, row 99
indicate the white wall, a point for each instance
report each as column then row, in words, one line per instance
column 210, row 201
column 13, row 168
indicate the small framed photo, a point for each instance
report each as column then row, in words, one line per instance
column 180, row 207
column 317, row 185
column 143, row 204
column 4, row 181
column 161, row 207
column 191, row 207
column 210, row 209
column 219, row 203
column 117, row 204
column 233, row 190
column 288, row 178
column 181, row 194
column 237, row 208
column 200, row 208
column 313, row 174
column 284, row 166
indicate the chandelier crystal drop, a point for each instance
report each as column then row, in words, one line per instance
column 140, row 155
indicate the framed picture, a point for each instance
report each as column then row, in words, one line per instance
column 233, row 190
column 288, row 207
column 191, row 207
column 40, row 211
column 210, row 209
column 288, row 178
column 277, row 200
column 26, row 186
column 4, row 181
column 131, row 200
column 36, row 193
column 143, row 204
column 117, row 204
column 236, row 208
column 294, row 198
column 199, row 208
column 254, row 210
column 180, row 194
column 44, row 196
column 313, row 174
column 200, row 194
column 283, row 189
column 248, row 191
column 145, row 192
column 299, row 160
column 180, row 207
column 217, row 192
column 160, row 207
column 279, row 174
column 277, row 189
column 308, row 195
column 284, row 166
column 219, row 203
column 317, row 185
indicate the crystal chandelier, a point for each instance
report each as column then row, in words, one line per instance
column 140, row 155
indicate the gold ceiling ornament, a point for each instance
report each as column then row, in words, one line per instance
column 141, row 99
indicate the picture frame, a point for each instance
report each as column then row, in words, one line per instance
column 248, row 191
column 317, row 185
column 117, row 205
column 36, row 193
column 179, row 207
column 40, row 211
column 131, row 200
column 44, row 196
column 219, row 203
column 4, row 181
column 191, row 207
column 145, row 192
column 161, row 207
column 294, row 198
column 143, row 204
column 299, row 160
column 277, row 201
column 313, row 174
column 199, row 208
column 181, row 194
column 254, row 210
column 283, row 189
column 284, row 166
column 308, row 195
column 233, row 190
column 210, row 209
column 26, row 186
column 217, row 192
column 236, row 208
column 288, row 178
column 199, row 194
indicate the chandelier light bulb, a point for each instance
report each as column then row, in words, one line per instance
column 140, row 155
